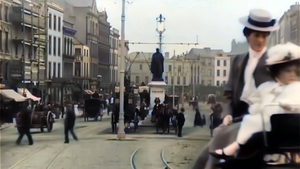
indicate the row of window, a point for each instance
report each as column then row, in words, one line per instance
column 224, row 73
column 55, row 22
column 5, row 12
column 53, row 70
column 178, row 80
column 81, row 71
column 5, row 44
column 170, row 68
column 224, row 63
column 78, row 52
column 114, row 43
column 52, row 49
column 218, row 83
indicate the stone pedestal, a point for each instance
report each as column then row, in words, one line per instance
column 157, row 89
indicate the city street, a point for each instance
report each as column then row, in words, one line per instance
column 98, row 148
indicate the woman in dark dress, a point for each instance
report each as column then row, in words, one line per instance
column 198, row 119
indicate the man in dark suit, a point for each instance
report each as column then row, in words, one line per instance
column 180, row 119
column 246, row 74
column 23, row 124
column 69, row 123
column 157, row 66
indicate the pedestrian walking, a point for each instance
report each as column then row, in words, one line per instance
column 23, row 124
column 180, row 119
column 198, row 119
column 70, row 123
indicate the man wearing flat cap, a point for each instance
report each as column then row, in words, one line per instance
column 246, row 74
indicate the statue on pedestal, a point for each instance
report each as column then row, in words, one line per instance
column 157, row 66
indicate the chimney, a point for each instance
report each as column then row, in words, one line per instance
column 167, row 55
column 233, row 45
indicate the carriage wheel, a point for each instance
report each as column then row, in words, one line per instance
column 49, row 122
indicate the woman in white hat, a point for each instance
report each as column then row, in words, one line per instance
column 284, row 65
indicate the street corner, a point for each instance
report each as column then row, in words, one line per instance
column 183, row 153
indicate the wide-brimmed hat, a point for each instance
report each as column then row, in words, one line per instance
column 259, row 20
column 283, row 53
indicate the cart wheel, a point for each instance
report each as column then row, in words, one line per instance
column 49, row 122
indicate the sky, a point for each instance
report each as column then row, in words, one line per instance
column 215, row 22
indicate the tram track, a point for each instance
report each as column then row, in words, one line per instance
column 162, row 163
column 25, row 158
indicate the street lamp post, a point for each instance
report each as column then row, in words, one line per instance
column 121, row 133
column 99, row 79
column 160, row 28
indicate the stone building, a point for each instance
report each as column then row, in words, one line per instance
column 204, row 74
column 29, row 42
column 289, row 28
column 222, row 70
column 113, row 58
column 6, row 37
column 93, row 30
column 55, row 41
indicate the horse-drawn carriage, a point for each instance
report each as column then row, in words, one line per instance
column 282, row 140
column 131, row 116
column 176, row 100
column 163, row 114
column 92, row 109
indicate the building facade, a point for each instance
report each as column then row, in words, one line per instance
column 93, row 30
column 68, row 43
column 222, row 70
column 82, row 64
column 237, row 48
column 177, row 69
column 6, row 37
column 29, row 43
column 55, row 41
column 204, row 74
column 114, row 55
column 289, row 28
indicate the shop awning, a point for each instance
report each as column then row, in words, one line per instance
column 28, row 94
column 9, row 94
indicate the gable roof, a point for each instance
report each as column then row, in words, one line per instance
column 196, row 53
